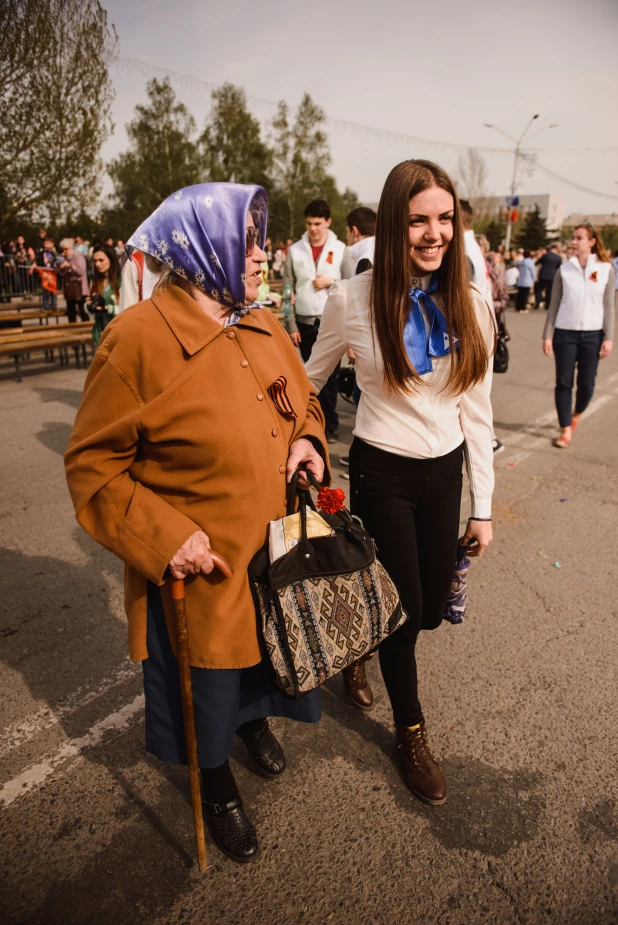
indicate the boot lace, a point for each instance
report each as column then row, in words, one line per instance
column 416, row 740
column 355, row 676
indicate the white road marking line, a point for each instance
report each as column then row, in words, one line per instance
column 37, row 774
column 17, row 734
column 533, row 442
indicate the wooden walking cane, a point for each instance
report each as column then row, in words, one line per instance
column 177, row 588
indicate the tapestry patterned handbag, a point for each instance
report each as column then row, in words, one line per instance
column 325, row 603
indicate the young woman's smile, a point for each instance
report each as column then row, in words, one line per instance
column 431, row 228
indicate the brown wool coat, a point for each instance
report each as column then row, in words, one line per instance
column 177, row 433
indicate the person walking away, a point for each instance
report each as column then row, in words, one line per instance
column 312, row 265
column 525, row 281
column 579, row 328
column 105, row 289
column 178, row 448
column 74, row 280
column 549, row 263
column 360, row 242
column 423, row 336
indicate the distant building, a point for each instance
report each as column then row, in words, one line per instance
column 550, row 206
column 577, row 218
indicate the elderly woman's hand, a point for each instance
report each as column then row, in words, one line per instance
column 303, row 453
column 193, row 557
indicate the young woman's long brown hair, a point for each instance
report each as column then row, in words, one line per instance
column 598, row 247
column 99, row 280
column 390, row 290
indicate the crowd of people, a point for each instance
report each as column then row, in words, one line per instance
column 415, row 300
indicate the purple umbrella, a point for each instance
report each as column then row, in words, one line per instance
column 455, row 609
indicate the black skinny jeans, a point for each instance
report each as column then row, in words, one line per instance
column 571, row 348
column 75, row 305
column 330, row 389
column 521, row 299
column 411, row 509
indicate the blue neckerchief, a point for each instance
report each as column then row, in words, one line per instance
column 420, row 346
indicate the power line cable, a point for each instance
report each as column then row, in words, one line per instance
column 136, row 65
column 578, row 186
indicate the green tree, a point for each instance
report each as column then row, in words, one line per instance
column 340, row 204
column 495, row 231
column 162, row 157
column 55, row 99
column 232, row 145
column 533, row 232
column 610, row 237
column 301, row 157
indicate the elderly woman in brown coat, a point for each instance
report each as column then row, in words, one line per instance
column 182, row 445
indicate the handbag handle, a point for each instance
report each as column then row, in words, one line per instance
column 295, row 492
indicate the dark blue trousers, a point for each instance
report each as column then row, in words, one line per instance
column 581, row 349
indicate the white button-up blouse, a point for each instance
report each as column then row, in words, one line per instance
column 425, row 423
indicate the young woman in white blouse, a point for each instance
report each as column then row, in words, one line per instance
column 579, row 329
column 423, row 336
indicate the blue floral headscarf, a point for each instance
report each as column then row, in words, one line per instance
column 200, row 233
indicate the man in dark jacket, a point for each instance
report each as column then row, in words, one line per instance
column 549, row 263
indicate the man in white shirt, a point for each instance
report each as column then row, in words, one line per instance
column 479, row 273
column 137, row 281
column 478, row 266
column 360, row 240
column 313, row 264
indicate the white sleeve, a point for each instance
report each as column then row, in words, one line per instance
column 129, row 291
column 348, row 265
column 331, row 343
column 476, row 419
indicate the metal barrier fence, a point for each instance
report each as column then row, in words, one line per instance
column 18, row 283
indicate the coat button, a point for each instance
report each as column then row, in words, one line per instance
column 275, row 431
column 244, row 363
column 282, row 469
column 232, row 335
column 260, row 397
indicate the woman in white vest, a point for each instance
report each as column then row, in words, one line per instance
column 581, row 318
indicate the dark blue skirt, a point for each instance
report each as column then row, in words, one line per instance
column 223, row 699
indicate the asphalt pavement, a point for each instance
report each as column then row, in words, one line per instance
column 520, row 704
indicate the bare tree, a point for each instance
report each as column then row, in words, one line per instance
column 472, row 174
column 55, row 99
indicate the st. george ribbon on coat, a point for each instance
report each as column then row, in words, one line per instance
column 200, row 233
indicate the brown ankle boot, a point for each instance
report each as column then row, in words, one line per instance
column 422, row 775
column 356, row 684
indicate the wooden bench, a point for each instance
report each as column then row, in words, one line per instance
column 33, row 332
column 19, row 344
column 40, row 316
column 24, row 305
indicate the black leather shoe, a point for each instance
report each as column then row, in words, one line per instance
column 265, row 751
column 231, row 830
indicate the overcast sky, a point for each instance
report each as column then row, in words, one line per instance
column 435, row 70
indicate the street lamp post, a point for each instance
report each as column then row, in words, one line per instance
column 517, row 153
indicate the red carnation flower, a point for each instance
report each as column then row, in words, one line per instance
column 331, row 500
